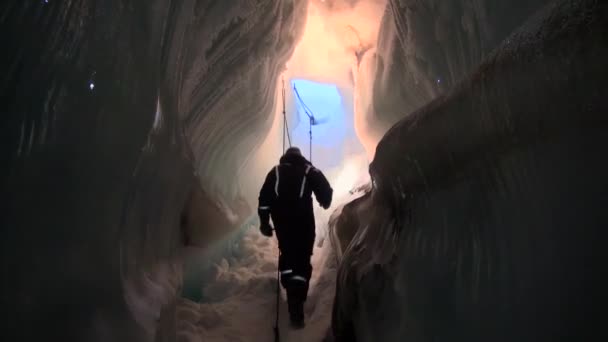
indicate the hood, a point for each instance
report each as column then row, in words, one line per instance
column 293, row 158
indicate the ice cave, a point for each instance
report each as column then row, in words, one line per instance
column 465, row 141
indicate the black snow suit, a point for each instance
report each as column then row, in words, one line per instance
column 286, row 196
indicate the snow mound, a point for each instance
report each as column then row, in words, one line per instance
column 240, row 300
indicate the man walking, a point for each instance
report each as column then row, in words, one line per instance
column 286, row 197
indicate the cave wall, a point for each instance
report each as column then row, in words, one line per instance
column 95, row 179
column 486, row 217
column 425, row 47
column 233, row 56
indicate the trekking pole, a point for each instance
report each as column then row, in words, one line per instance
column 310, row 143
column 277, row 337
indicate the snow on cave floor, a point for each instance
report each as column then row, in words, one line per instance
column 240, row 295
column 243, row 298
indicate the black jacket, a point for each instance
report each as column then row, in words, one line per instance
column 286, row 196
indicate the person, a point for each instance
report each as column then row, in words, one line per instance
column 286, row 197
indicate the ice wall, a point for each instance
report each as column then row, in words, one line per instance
column 486, row 218
column 424, row 48
column 125, row 123
column 93, row 183
column 113, row 115
column 233, row 56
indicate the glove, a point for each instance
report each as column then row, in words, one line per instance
column 266, row 229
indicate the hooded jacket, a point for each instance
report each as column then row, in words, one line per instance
column 286, row 196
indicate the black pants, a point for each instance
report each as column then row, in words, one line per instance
column 296, row 271
column 296, row 241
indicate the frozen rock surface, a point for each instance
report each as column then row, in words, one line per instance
column 239, row 297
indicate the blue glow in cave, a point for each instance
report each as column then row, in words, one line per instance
column 331, row 126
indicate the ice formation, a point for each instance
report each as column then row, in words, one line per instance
column 135, row 135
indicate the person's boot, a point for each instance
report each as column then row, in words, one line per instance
column 296, row 314
column 296, row 296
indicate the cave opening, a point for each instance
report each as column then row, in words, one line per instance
column 320, row 122
column 325, row 112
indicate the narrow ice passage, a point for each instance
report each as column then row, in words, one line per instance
column 134, row 132
column 240, row 300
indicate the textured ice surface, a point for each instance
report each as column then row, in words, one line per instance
column 237, row 278
column 484, row 218
column 95, row 181
column 240, row 297
column 426, row 47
